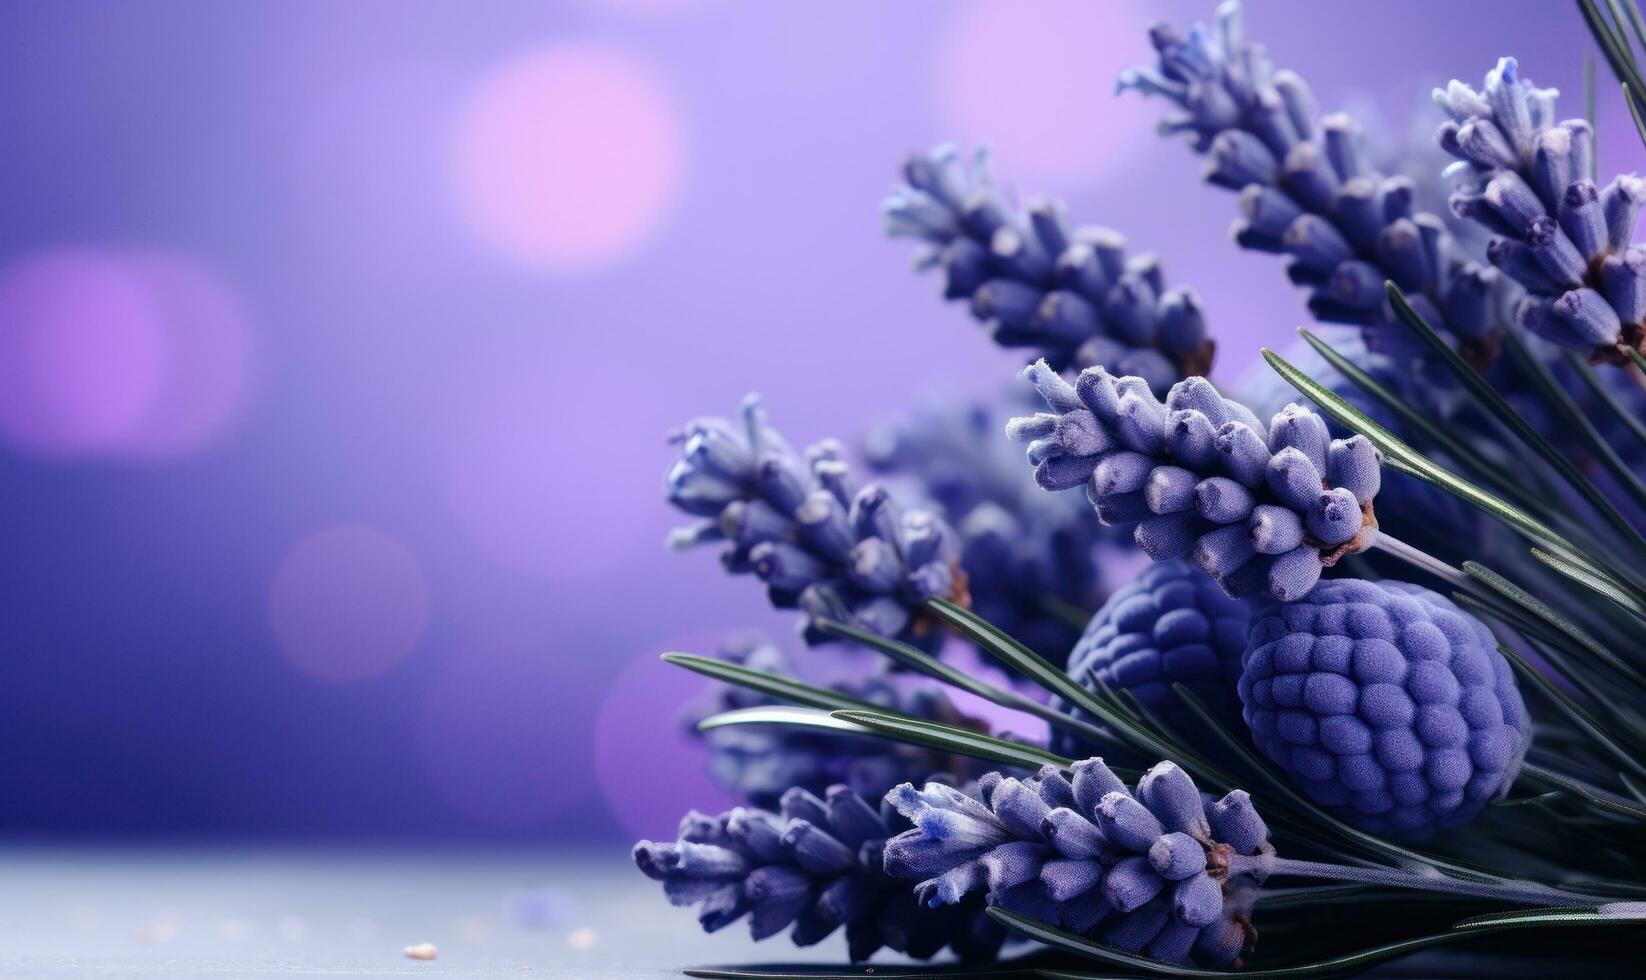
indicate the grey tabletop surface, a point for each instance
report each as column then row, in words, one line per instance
column 233, row 912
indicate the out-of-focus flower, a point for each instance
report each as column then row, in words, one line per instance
column 1261, row 509
column 1171, row 625
column 1145, row 871
column 1070, row 294
column 1308, row 192
column 816, row 865
column 1530, row 181
column 1022, row 550
column 1387, row 704
column 818, row 541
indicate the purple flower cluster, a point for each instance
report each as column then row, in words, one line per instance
column 1261, row 509
column 1530, row 181
column 1170, row 625
column 1307, row 190
column 818, row 541
column 1145, row 871
column 815, row 865
column 1021, row 549
column 761, row 762
column 1385, row 703
column 1035, row 281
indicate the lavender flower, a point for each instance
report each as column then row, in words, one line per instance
column 1529, row 180
column 1387, row 704
column 761, row 762
column 1168, row 626
column 1147, row 871
column 1071, row 294
column 1307, row 190
column 1021, row 549
column 815, row 864
column 1260, row 509
column 804, row 527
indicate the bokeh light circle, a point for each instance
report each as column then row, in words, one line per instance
column 568, row 157
column 348, row 603
column 650, row 768
column 1035, row 82
column 108, row 352
column 82, row 352
column 505, row 736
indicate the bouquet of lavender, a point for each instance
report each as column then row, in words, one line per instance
column 1386, row 658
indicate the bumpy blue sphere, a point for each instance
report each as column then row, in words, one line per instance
column 1387, row 704
column 1170, row 624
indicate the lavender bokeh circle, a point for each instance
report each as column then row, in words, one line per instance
column 348, row 603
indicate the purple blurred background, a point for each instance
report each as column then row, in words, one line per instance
column 338, row 342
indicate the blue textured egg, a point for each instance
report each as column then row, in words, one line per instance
column 1172, row 624
column 1386, row 703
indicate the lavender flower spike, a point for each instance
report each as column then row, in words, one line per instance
column 1147, row 870
column 803, row 526
column 815, row 865
column 1530, row 181
column 1307, row 190
column 1069, row 293
column 1259, row 509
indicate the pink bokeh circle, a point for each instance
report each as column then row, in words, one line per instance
column 505, row 736
column 1035, row 82
column 107, row 352
column 651, row 769
column 568, row 157
column 82, row 352
column 348, row 603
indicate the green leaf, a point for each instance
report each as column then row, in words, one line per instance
column 1589, row 576
column 785, row 715
column 1418, row 421
column 950, row 739
column 1538, row 608
column 1635, row 111
column 925, row 663
column 1499, row 408
column 1574, row 418
column 782, row 688
column 1589, row 794
column 1549, row 916
column 1573, row 711
column 1602, row 392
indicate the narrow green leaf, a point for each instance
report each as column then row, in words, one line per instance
column 1634, row 111
column 1574, row 418
column 1548, row 916
column 1635, row 355
column 1591, row 577
column 1602, row 392
column 1574, row 712
column 1418, row 421
column 925, row 663
column 782, row 688
column 1489, row 398
column 1538, row 608
column 1589, row 794
column 1639, row 27
column 788, row 716
column 951, row 739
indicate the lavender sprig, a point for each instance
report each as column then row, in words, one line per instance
column 1147, row 871
column 1530, row 181
column 1069, row 293
column 1307, row 191
column 761, row 762
column 816, row 865
column 1259, row 508
column 818, row 541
